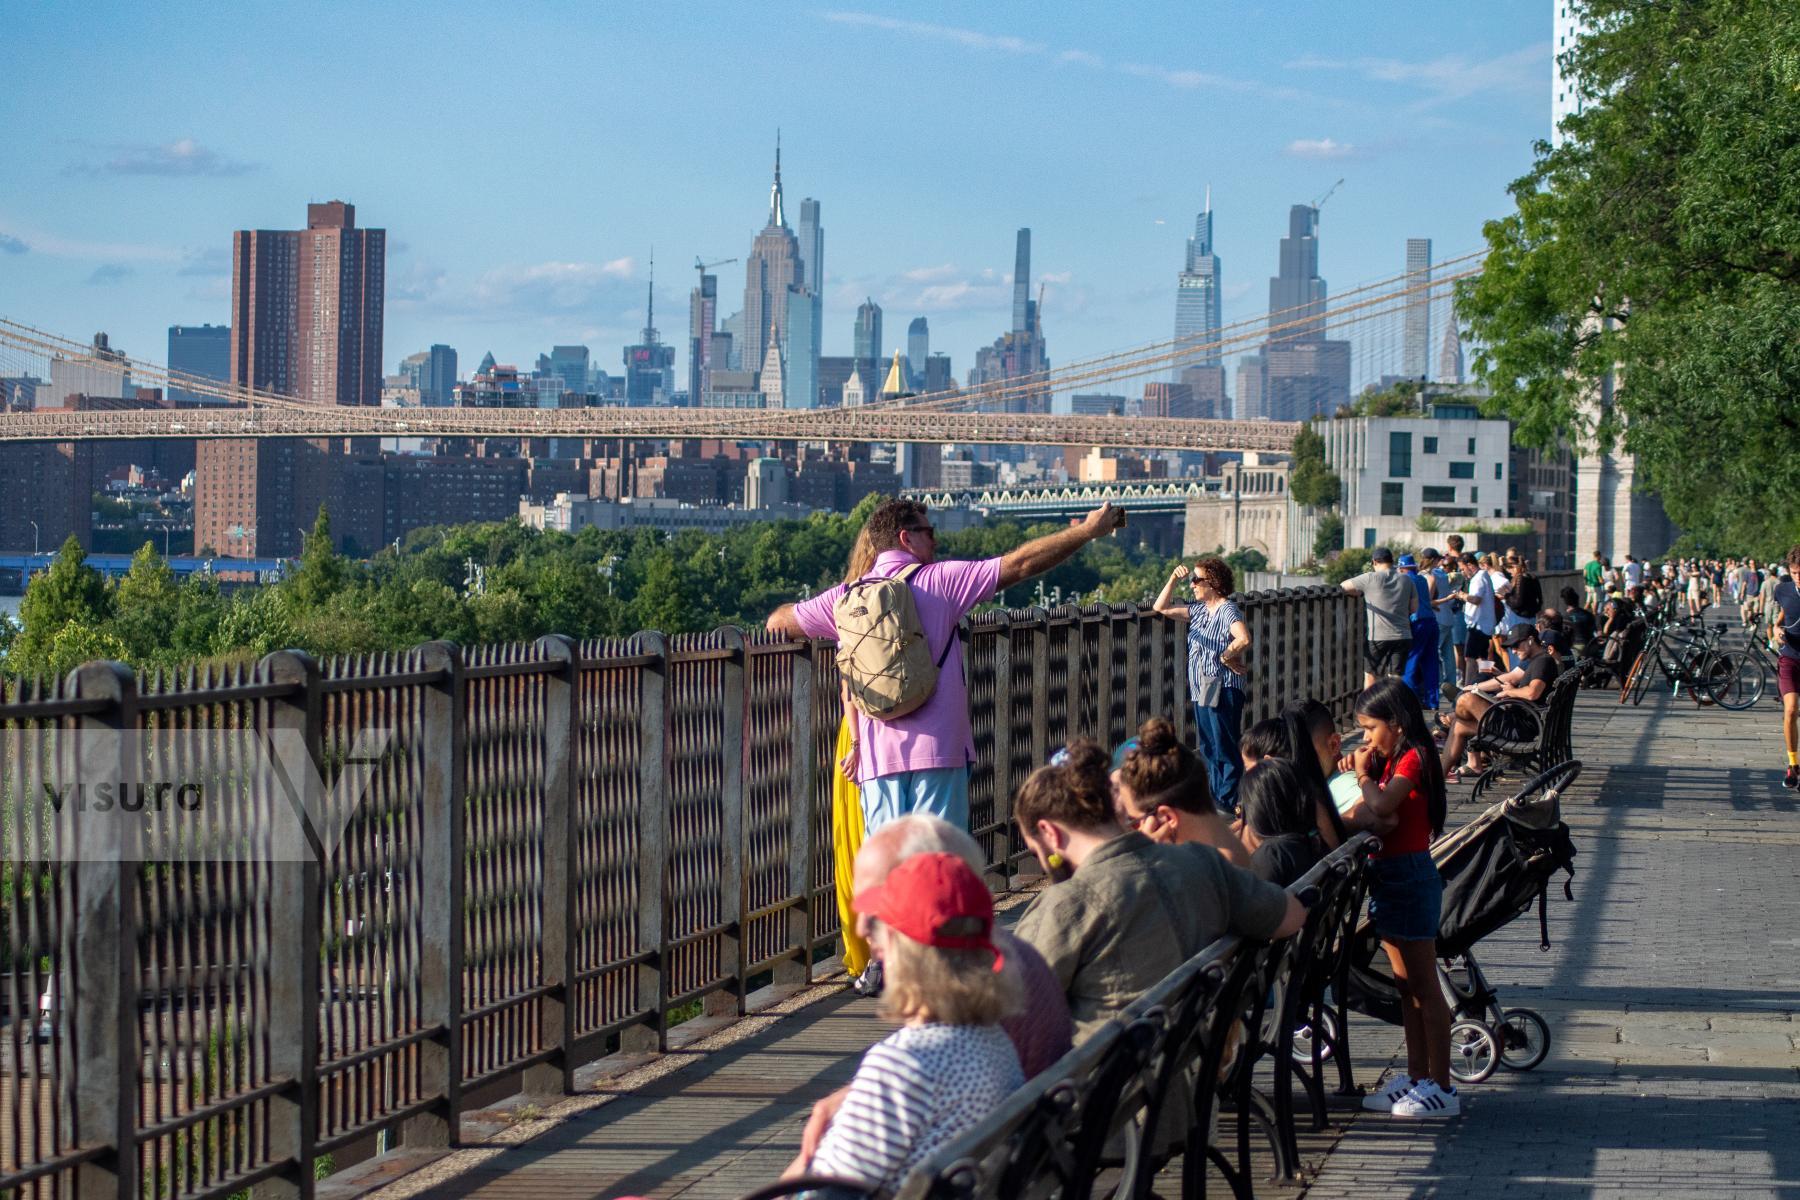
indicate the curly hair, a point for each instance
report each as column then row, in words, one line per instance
column 888, row 520
column 1161, row 769
column 1076, row 792
column 1217, row 573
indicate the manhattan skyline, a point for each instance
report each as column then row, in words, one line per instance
column 522, row 218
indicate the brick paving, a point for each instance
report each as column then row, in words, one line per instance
column 1671, row 991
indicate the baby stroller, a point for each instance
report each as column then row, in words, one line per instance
column 1494, row 868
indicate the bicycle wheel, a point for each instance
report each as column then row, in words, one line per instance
column 1638, row 682
column 1693, row 668
column 1524, row 1039
column 1735, row 679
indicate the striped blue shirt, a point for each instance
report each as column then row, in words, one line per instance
column 1209, row 632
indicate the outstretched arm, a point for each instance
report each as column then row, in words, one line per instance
column 1041, row 554
column 784, row 622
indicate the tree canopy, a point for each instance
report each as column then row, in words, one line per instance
column 1646, row 291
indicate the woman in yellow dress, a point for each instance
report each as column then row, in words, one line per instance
column 846, row 810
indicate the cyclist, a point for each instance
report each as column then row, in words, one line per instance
column 1786, row 642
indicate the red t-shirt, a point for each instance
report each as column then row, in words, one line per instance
column 1413, row 834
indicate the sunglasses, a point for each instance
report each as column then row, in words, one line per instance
column 924, row 529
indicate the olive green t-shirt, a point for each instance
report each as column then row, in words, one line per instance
column 1135, row 911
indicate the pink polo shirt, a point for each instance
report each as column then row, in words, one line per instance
column 937, row 733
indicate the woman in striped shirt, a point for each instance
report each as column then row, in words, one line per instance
column 1217, row 640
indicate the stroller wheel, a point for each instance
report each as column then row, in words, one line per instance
column 1474, row 1054
column 1524, row 1039
column 1303, row 1039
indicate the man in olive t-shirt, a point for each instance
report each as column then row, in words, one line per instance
column 1390, row 598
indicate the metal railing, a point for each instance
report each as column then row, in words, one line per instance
column 560, row 846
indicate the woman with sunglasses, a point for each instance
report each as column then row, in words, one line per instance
column 1217, row 641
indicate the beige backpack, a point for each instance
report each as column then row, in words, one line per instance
column 882, row 653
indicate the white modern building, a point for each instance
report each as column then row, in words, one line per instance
column 1399, row 469
column 570, row 514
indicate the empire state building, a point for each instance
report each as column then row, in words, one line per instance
column 773, row 268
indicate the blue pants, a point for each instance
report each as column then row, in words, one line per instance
column 940, row 791
column 1217, row 730
column 1451, row 634
column 1422, row 663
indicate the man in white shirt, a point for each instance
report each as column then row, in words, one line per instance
column 1634, row 572
column 1481, row 613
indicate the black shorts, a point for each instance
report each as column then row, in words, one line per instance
column 1479, row 643
column 1387, row 658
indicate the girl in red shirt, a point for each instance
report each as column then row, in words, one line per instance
column 1403, row 801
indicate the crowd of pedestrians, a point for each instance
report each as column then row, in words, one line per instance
column 1152, row 849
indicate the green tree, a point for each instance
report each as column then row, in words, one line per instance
column 1347, row 565
column 1247, row 558
column 70, row 591
column 147, row 610
column 1658, row 248
column 1329, row 538
column 77, row 642
column 1313, row 483
column 322, row 572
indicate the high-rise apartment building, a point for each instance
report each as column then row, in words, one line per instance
column 918, row 349
column 801, row 385
column 1299, row 373
column 306, row 322
column 1415, row 340
column 866, row 341
column 1021, row 282
column 773, row 267
column 436, row 376
column 200, row 351
column 703, row 323
column 1565, row 97
column 103, row 371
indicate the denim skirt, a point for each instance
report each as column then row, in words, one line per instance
column 1406, row 897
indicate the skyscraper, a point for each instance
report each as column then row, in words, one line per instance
column 1021, row 281
column 703, row 323
column 649, row 365
column 1565, row 97
column 866, row 342
column 567, row 366
column 1415, row 342
column 804, row 345
column 306, row 322
column 812, row 246
column 918, row 349
column 1299, row 373
column 1197, row 317
column 203, row 351
column 1450, row 358
column 773, row 267
column 438, row 383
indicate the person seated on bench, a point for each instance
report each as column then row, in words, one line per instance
column 1160, row 789
column 1129, row 911
column 1265, row 739
column 1530, row 681
column 949, row 1064
column 1281, row 819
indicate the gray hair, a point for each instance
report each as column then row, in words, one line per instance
column 921, row 833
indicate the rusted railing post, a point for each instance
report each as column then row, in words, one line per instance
column 802, row 770
column 295, row 904
column 105, row 953
column 655, row 736
column 443, row 725
column 733, row 748
column 557, row 937
column 1040, row 685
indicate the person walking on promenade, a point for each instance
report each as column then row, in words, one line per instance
column 1452, row 630
column 1403, row 800
column 1422, row 660
column 1390, row 599
column 847, row 814
column 1784, row 618
column 1217, row 638
column 1592, row 574
column 919, row 761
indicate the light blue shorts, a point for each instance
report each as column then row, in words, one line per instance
column 940, row 791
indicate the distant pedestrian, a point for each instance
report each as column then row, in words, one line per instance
column 1217, row 639
column 1390, row 599
column 1452, row 629
column 1422, row 660
column 1593, row 574
column 918, row 760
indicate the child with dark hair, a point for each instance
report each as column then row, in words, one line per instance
column 1283, row 819
column 1313, row 731
column 1403, row 799
column 1265, row 739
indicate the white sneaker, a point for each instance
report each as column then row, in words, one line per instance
column 1384, row 1100
column 1428, row 1101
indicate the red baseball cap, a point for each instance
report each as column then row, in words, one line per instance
column 937, row 900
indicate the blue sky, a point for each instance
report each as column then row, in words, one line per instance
column 525, row 157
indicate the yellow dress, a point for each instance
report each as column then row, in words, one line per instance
column 846, row 840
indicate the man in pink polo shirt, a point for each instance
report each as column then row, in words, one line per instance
column 920, row 762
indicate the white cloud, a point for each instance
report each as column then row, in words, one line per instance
column 108, row 274
column 1058, row 277
column 1449, row 77
column 1320, row 148
column 929, row 274
column 183, row 158
column 972, row 39
column 1081, row 57
column 554, row 289
column 40, row 242
column 418, row 283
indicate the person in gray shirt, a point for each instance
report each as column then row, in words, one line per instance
column 1389, row 598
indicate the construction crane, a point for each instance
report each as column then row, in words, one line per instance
column 1320, row 202
column 704, row 267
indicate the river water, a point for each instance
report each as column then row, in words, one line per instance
column 10, row 605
